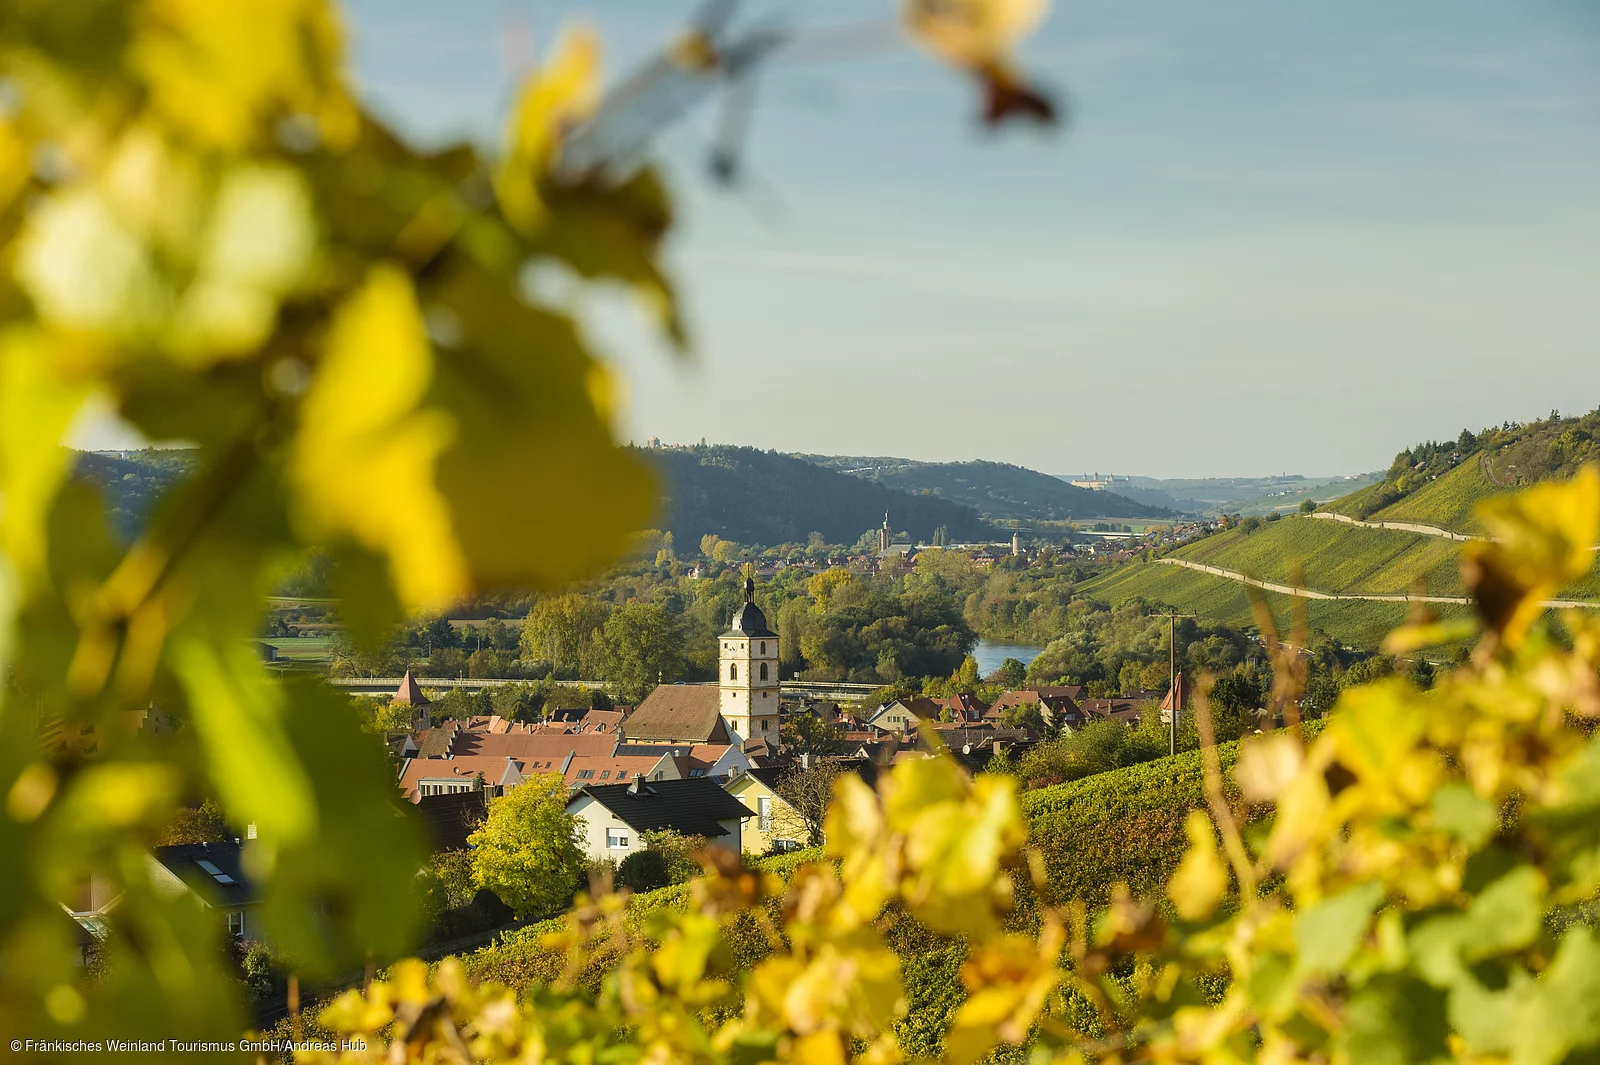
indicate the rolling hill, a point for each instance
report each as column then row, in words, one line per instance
column 132, row 482
column 761, row 497
column 995, row 489
column 1431, row 486
column 1438, row 483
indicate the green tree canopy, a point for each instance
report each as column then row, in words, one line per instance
column 561, row 630
column 644, row 646
column 527, row 850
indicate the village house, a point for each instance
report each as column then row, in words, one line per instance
column 213, row 875
column 613, row 816
column 776, row 825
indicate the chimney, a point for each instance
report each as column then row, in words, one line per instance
column 637, row 786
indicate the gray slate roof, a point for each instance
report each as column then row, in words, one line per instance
column 183, row 861
column 693, row 807
column 750, row 621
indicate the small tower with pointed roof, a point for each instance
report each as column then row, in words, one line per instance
column 748, row 677
column 885, row 535
column 410, row 694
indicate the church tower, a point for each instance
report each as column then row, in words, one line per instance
column 885, row 535
column 748, row 678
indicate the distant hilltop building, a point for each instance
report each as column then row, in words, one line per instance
column 1094, row 482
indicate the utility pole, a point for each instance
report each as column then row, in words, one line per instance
column 1172, row 684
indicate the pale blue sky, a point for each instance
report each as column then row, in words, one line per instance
column 1275, row 236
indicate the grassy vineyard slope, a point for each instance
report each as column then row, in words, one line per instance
column 1352, row 622
column 1446, row 502
column 1335, row 557
column 1322, row 555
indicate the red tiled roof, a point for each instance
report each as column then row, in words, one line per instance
column 410, row 692
column 608, row 769
column 499, row 770
column 1180, row 688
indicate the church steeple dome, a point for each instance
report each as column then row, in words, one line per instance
column 748, row 620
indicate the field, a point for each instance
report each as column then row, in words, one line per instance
column 306, row 649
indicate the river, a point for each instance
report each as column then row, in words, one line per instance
column 990, row 654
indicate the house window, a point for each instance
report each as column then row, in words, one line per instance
column 764, row 813
column 236, row 923
column 605, row 774
column 733, row 671
column 616, row 839
column 763, row 670
column 697, row 773
column 585, row 774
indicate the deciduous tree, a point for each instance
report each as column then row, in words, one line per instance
column 560, row 629
column 527, row 851
column 644, row 646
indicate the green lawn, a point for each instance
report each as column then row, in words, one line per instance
column 301, row 648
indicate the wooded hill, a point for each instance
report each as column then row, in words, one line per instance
column 761, row 497
column 131, row 486
column 996, row 489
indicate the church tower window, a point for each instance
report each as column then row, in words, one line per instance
column 763, row 671
column 733, row 672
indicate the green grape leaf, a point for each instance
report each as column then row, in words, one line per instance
column 240, row 717
column 1464, row 814
column 1201, row 878
column 543, row 493
column 1394, row 1020
column 362, row 463
column 1328, row 933
column 346, row 893
column 36, row 404
column 1506, row 916
column 1561, row 1012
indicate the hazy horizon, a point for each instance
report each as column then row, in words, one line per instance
column 1269, row 238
